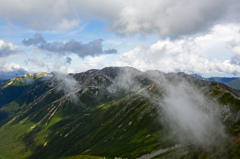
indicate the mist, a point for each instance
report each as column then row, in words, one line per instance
column 68, row 85
column 192, row 116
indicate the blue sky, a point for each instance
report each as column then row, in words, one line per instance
column 200, row 37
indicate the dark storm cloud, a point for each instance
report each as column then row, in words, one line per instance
column 73, row 46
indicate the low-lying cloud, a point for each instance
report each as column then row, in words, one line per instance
column 192, row 116
column 68, row 85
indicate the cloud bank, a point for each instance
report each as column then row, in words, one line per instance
column 201, row 54
column 165, row 17
column 174, row 56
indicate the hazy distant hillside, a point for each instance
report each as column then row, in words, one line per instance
column 119, row 112
column 233, row 82
column 2, row 81
column 11, row 74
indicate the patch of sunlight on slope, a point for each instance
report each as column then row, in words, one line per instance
column 16, row 138
column 11, row 143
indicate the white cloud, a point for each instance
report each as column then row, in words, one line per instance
column 234, row 44
column 68, row 24
column 36, row 62
column 10, row 70
column 185, row 55
column 9, row 66
column 7, row 49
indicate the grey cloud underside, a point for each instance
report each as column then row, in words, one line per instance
column 68, row 60
column 73, row 46
column 38, row 39
column 235, row 60
column 110, row 51
column 165, row 17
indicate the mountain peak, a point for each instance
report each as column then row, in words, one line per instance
column 26, row 79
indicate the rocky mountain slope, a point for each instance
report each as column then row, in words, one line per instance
column 120, row 112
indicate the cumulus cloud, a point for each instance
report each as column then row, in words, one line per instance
column 73, row 46
column 234, row 44
column 165, row 17
column 7, row 49
column 11, row 70
column 174, row 56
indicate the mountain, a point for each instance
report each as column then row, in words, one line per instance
column 12, row 89
column 119, row 112
column 233, row 82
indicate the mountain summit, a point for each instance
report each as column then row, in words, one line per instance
column 119, row 112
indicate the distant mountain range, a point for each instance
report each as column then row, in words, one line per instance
column 233, row 82
column 11, row 74
column 118, row 112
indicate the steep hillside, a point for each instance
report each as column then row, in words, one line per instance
column 15, row 88
column 234, row 84
column 122, row 112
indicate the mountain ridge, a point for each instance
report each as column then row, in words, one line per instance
column 121, row 112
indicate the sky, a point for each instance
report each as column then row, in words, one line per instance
column 71, row 36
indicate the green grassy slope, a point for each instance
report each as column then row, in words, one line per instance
column 234, row 84
column 125, row 124
column 129, row 127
